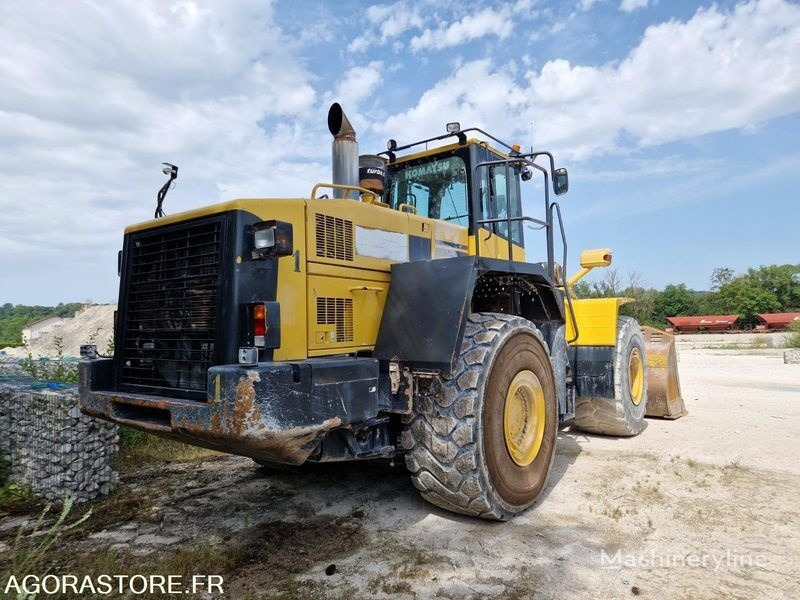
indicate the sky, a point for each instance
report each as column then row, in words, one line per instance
column 679, row 122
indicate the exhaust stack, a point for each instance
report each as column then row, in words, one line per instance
column 344, row 149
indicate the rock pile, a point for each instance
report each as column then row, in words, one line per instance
column 51, row 445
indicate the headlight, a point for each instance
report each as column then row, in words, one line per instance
column 272, row 238
column 264, row 238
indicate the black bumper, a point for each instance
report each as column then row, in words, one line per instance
column 277, row 412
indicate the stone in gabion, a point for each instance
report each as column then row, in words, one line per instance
column 791, row 357
column 52, row 446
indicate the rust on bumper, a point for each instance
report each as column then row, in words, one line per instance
column 274, row 412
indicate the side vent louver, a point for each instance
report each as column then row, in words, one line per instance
column 334, row 237
column 338, row 312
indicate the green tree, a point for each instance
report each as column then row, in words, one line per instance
column 744, row 298
column 721, row 276
column 783, row 281
column 675, row 300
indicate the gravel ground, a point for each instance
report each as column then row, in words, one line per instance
column 701, row 507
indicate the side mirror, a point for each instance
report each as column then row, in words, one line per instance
column 560, row 181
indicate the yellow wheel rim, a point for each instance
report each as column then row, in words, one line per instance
column 636, row 376
column 524, row 417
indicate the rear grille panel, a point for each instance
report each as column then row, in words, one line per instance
column 334, row 237
column 337, row 312
column 171, row 301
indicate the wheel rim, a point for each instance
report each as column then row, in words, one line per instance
column 524, row 418
column 636, row 376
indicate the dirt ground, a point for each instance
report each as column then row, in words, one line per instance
column 702, row 507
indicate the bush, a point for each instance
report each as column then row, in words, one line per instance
column 793, row 341
column 58, row 369
column 17, row 499
column 131, row 437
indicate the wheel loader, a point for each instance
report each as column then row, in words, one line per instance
column 392, row 313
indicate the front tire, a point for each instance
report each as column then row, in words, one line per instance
column 622, row 415
column 481, row 442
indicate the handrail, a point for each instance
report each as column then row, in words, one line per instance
column 403, row 206
column 347, row 188
column 564, row 284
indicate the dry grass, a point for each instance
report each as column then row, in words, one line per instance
column 144, row 449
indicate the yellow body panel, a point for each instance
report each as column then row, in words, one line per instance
column 266, row 208
column 356, row 313
column 291, row 281
column 597, row 321
column 494, row 246
column 374, row 246
column 353, row 285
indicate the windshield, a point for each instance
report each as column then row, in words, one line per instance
column 437, row 188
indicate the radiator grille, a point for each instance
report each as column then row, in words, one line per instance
column 338, row 312
column 168, row 335
column 334, row 237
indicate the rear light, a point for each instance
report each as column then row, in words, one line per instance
column 259, row 325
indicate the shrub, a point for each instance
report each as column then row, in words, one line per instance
column 793, row 341
column 58, row 369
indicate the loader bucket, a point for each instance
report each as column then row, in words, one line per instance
column 663, row 384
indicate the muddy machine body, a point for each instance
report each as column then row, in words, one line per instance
column 396, row 318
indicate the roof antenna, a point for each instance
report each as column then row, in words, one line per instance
column 172, row 171
column 531, row 137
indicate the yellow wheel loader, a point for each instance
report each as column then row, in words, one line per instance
column 390, row 313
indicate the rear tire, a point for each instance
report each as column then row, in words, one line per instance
column 500, row 399
column 622, row 415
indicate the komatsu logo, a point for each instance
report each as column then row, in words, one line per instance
column 439, row 166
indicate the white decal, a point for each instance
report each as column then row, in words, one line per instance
column 376, row 243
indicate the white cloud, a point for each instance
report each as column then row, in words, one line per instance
column 387, row 22
column 719, row 70
column 451, row 26
column 484, row 23
column 585, row 5
column 357, row 85
column 101, row 95
column 632, row 5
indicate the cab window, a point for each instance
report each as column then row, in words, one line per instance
column 493, row 200
column 436, row 188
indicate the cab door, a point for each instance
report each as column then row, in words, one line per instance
column 498, row 194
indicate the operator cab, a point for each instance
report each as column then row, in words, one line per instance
column 437, row 184
column 473, row 185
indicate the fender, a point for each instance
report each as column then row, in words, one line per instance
column 428, row 302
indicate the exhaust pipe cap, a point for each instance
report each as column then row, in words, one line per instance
column 339, row 125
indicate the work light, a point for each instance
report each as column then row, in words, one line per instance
column 264, row 238
column 272, row 238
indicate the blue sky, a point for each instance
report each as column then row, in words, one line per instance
column 678, row 121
